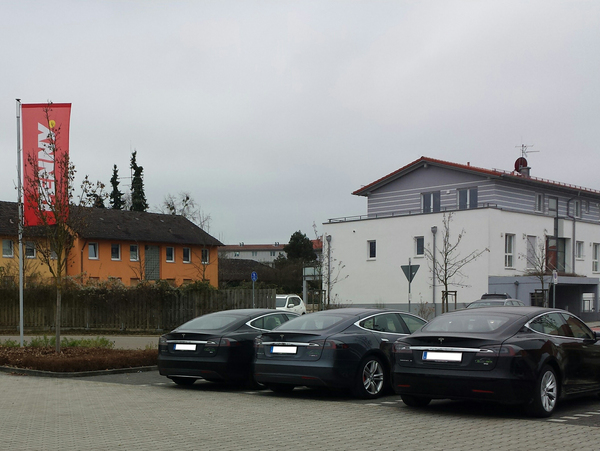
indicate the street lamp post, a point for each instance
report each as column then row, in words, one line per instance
column 328, row 238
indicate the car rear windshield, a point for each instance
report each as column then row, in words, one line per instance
column 485, row 304
column 466, row 323
column 210, row 322
column 312, row 322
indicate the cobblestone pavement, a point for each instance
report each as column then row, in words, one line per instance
column 72, row 414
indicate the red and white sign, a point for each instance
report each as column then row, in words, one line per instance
column 45, row 161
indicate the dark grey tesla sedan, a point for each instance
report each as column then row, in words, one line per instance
column 348, row 348
column 516, row 355
column 216, row 347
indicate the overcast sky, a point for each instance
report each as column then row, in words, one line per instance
column 270, row 113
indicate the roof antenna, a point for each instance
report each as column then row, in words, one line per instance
column 521, row 163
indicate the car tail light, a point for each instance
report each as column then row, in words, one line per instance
column 329, row 344
column 402, row 352
column 162, row 344
column 228, row 342
column 498, row 351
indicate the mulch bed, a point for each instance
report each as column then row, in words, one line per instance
column 75, row 359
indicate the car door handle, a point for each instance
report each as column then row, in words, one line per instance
column 384, row 339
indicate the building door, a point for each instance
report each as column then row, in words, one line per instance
column 152, row 262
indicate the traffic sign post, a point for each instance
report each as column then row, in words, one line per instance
column 254, row 277
column 409, row 271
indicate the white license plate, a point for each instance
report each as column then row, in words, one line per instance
column 184, row 347
column 442, row 356
column 284, row 349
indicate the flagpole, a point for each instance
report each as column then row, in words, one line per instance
column 20, row 208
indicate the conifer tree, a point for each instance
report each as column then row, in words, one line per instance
column 116, row 196
column 138, row 198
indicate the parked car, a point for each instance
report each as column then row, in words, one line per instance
column 516, row 355
column 290, row 303
column 344, row 348
column 217, row 346
column 496, row 302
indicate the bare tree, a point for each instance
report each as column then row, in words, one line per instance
column 448, row 262
column 328, row 267
column 184, row 205
column 537, row 265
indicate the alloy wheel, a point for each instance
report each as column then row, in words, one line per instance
column 549, row 391
column 373, row 377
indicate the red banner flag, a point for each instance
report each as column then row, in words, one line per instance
column 45, row 162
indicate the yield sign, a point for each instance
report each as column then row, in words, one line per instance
column 410, row 271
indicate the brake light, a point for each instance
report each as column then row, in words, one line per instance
column 401, row 348
column 329, row 344
column 228, row 342
column 498, row 351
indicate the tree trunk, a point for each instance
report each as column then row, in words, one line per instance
column 58, row 317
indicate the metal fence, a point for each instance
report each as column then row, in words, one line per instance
column 129, row 309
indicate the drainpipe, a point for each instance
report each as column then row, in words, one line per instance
column 573, row 244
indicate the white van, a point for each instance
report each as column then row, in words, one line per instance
column 290, row 303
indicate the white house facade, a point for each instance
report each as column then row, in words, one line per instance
column 511, row 219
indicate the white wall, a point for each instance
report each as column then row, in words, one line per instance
column 381, row 281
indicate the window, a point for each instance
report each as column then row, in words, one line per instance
column 539, row 202
column 509, row 250
column 272, row 253
column 588, row 302
column 93, row 251
column 577, row 209
column 553, row 206
column 187, row 255
column 205, row 255
column 255, row 253
column 430, row 202
column 115, row 251
column 419, row 246
column 579, row 250
column 412, row 322
column 236, row 254
column 372, row 249
column 29, row 249
column 7, row 249
column 170, row 254
column 467, row 198
column 532, row 252
column 596, row 258
column 134, row 253
column 551, row 324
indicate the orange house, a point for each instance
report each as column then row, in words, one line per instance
column 133, row 246
column 125, row 245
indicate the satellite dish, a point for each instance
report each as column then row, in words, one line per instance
column 521, row 162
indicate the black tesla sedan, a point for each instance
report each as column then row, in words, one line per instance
column 343, row 348
column 217, row 346
column 515, row 355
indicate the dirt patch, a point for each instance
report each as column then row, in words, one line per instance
column 75, row 359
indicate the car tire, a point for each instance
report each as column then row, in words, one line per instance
column 371, row 378
column 545, row 394
column 183, row 380
column 415, row 401
column 281, row 388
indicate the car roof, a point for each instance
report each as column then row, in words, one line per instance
column 508, row 309
column 247, row 311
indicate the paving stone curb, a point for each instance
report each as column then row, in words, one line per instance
column 26, row 372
